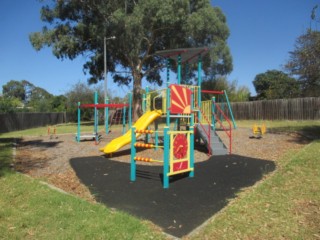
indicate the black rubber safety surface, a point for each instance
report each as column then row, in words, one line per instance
column 186, row 204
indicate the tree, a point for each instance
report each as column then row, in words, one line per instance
column 304, row 63
column 82, row 93
column 8, row 105
column 14, row 89
column 141, row 27
column 274, row 84
column 235, row 93
column 40, row 100
column 59, row 103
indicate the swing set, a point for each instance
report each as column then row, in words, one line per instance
column 95, row 135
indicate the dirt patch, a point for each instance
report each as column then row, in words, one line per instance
column 48, row 157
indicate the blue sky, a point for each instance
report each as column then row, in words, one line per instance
column 261, row 35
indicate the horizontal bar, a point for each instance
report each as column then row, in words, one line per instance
column 182, row 171
column 212, row 91
column 111, row 105
column 177, row 132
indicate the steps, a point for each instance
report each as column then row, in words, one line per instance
column 216, row 146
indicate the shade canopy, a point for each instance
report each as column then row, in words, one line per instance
column 189, row 55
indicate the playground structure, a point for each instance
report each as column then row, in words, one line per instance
column 95, row 135
column 181, row 106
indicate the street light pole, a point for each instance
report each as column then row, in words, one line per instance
column 105, row 81
column 105, row 64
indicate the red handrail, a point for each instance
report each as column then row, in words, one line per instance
column 221, row 125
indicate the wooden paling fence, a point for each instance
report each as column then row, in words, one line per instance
column 280, row 109
column 20, row 121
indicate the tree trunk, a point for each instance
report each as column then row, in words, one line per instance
column 137, row 96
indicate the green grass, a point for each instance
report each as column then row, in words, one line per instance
column 31, row 210
column 284, row 206
column 70, row 128
column 309, row 128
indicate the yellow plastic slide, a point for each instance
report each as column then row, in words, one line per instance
column 142, row 123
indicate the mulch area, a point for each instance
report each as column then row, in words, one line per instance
column 82, row 170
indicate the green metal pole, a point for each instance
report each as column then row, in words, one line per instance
column 96, row 116
column 213, row 111
column 107, row 117
column 156, row 135
column 133, row 154
column 148, row 108
column 168, row 94
column 166, row 156
column 186, row 81
column 179, row 69
column 230, row 110
column 124, row 121
column 130, row 110
column 144, row 103
column 191, row 174
column 78, row 128
column 199, row 86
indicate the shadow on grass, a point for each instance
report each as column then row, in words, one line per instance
column 303, row 134
column 38, row 143
column 188, row 202
column 6, row 145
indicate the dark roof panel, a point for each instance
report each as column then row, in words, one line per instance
column 189, row 55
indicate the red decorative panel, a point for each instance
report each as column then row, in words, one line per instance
column 180, row 99
column 179, row 166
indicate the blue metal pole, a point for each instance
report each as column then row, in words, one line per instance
column 186, row 81
column 130, row 110
column 199, row 86
column 168, row 94
column 166, row 156
column 213, row 111
column 133, row 154
column 107, row 117
column 96, row 116
column 148, row 108
column 191, row 174
column 230, row 110
column 179, row 69
column 156, row 135
column 124, row 121
column 144, row 107
column 78, row 128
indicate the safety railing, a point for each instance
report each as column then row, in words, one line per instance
column 227, row 131
column 207, row 132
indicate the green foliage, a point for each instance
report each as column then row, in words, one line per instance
column 24, row 96
column 82, row 93
column 305, row 63
column 14, row 89
column 235, row 93
column 8, row 105
column 274, row 84
column 141, row 28
column 40, row 100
